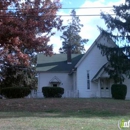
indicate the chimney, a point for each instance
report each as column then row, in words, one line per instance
column 69, row 55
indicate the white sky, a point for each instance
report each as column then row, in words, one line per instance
column 89, row 30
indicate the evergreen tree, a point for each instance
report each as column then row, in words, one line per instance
column 71, row 37
column 118, row 28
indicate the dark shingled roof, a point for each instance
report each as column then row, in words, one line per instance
column 56, row 63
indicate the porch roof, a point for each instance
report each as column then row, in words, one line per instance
column 100, row 73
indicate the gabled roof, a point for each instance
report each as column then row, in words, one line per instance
column 92, row 46
column 100, row 72
column 56, row 63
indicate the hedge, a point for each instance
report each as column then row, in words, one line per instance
column 15, row 92
column 49, row 92
column 119, row 91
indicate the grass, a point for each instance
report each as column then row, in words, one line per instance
column 62, row 114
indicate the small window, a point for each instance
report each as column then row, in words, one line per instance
column 55, row 85
column 88, row 80
column 107, row 84
column 104, row 84
column 102, row 88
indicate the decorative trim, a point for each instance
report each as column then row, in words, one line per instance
column 55, row 80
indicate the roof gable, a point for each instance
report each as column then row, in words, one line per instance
column 97, row 41
column 55, row 80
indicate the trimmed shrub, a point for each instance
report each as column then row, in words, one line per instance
column 49, row 92
column 119, row 91
column 15, row 92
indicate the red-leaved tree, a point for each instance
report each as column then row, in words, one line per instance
column 26, row 27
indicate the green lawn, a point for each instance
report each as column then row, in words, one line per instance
column 63, row 114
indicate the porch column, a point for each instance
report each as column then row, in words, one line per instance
column 99, row 88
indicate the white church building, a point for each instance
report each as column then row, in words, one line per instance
column 81, row 75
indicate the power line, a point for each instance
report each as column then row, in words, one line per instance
column 86, row 7
column 87, row 15
column 67, row 8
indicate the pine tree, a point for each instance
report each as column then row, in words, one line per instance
column 71, row 37
column 118, row 28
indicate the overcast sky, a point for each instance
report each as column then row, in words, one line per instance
column 90, row 23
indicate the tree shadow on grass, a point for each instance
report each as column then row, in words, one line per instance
column 60, row 114
column 64, row 108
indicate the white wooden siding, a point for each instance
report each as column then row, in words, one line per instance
column 127, row 82
column 93, row 62
column 76, row 84
column 44, row 79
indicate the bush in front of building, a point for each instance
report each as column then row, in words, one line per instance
column 119, row 91
column 15, row 92
column 52, row 92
